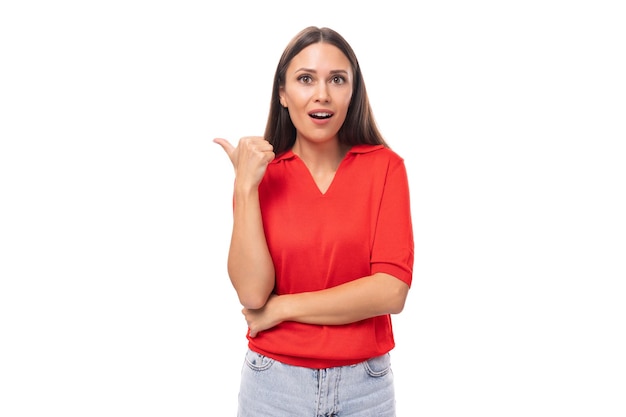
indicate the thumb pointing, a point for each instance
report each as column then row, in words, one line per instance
column 228, row 148
column 225, row 144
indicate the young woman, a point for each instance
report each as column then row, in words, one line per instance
column 321, row 252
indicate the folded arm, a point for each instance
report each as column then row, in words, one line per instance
column 356, row 300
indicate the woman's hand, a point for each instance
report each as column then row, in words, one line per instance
column 250, row 158
column 263, row 318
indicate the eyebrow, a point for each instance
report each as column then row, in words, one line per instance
column 314, row 71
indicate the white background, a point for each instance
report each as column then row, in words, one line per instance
column 116, row 205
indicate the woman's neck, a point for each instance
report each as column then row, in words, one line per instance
column 320, row 157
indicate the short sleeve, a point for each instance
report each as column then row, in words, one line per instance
column 393, row 246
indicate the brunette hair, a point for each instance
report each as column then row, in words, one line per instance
column 359, row 126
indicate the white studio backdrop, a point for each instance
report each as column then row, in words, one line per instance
column 116, row 206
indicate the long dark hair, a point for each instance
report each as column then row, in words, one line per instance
column 359, row 126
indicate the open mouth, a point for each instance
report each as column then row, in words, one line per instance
column 321, row 115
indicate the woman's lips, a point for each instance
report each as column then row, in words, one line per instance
column 320, row 116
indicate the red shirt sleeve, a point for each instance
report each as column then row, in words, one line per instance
column 393, row 246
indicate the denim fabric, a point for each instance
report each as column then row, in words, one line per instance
column 272, row 389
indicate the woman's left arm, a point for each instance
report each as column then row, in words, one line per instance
column 366, row 297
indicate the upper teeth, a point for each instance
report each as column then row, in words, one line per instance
column 320, row 114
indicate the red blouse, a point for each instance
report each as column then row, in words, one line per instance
column 360, row 226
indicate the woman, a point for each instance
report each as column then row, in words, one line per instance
column 321, row 252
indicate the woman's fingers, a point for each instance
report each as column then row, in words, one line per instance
column 249, row 158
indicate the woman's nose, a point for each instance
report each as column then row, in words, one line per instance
column 321, row 93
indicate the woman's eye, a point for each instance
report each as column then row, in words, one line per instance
column 338, row 79
column 305, row 79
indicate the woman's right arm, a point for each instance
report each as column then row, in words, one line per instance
column 250, row 265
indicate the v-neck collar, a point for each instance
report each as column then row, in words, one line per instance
column 356, row 149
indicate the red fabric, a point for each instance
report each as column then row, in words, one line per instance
column 360, row 226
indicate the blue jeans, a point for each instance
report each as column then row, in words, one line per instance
column 273, row 389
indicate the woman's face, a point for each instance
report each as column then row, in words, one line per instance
column 317, row 92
